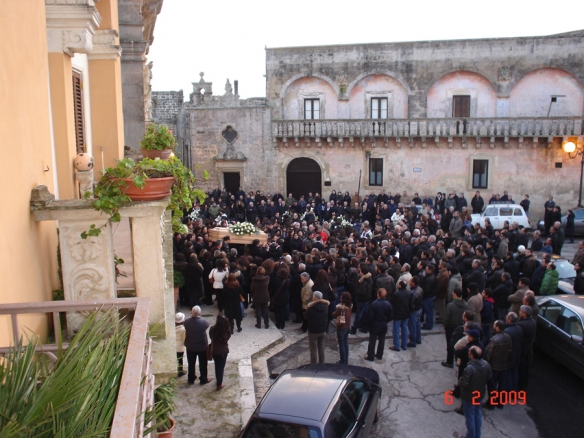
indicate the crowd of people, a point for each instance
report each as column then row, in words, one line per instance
column 382, row 260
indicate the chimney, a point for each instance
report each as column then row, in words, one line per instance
column 236, row 87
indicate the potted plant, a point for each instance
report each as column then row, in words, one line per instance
column 159, row 417
column 146, row 180
column 158, row 142
column 179, row 281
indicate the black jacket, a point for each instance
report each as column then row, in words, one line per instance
column 363, row 289
column 474, row 378
column 429, row 286
column 317, row 316
column 416, row 299
column 379, row 314
column 501, row 293
column 386, row 282
column 400, row 303
column 528, row 335
column 516, row 332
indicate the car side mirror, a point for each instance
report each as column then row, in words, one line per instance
column 577, row 339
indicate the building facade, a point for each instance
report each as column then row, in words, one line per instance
column 466, row 115
column 60, row 95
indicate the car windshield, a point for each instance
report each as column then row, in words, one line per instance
column 565, row 269
column 259, row 428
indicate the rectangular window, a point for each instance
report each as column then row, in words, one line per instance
column 379, row 107
column 375, row 171
column 78, row 112
column 480, row 173
column 311, row 109
column 460, row 106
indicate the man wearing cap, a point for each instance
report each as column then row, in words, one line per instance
column 196, row 342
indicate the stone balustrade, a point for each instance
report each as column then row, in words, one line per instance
column 546, row 127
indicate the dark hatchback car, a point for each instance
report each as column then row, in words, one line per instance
column 318, row 401
column 560, row 330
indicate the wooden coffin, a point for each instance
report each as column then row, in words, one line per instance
column 218, row 233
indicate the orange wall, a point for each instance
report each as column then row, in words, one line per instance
column 27, row 248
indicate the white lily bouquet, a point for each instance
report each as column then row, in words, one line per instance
column 194, row 215
column 342, row 223
column 242, row 228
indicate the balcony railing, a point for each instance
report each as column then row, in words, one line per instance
column 137, row 384
column 397, row 128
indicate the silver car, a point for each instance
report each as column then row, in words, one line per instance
column 578, row 222
column 560, row 330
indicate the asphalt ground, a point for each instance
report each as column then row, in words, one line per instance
column 556, row 398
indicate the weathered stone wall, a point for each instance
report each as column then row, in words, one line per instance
column 252, row 124
column 418, row 65
column 166, row 105
column 520, row 171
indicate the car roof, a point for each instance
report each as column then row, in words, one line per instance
column 573, row 302
column 302, row 393
column 495, row 204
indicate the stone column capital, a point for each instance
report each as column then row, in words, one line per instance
column 71, row 25
column 104, row 45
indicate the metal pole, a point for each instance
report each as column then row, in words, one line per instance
column 359, row 187
column 581, row 176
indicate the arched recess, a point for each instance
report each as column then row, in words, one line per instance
column 483, row 96
column 547, row 90
column 294, row 78
column 374, row 86
column 309, row 87
column 391, row 74
column 303, row 175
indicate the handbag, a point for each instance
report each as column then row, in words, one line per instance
column 212, row 278
column 332, row 293
column 209, row 352
column 340, row 320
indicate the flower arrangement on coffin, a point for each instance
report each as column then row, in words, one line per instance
column 341, row 223
column 194, row 215
column 243, row 228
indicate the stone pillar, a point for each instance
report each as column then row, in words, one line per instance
column 85, row 180
column 105, row 92
column 88, row 264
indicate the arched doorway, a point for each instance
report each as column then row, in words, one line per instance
column 303, row 176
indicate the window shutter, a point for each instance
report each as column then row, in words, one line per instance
column 78, row 112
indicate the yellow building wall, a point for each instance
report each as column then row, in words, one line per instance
column 27, row 248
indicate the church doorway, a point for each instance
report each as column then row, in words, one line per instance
column 303, row 176
column 231, row 181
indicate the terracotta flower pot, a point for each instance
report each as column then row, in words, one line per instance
column 163, row 154
column 154, row 190
column 168, row 433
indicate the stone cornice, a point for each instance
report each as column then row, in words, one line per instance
column 104, row 45
column 71, row 25
column 133, row 51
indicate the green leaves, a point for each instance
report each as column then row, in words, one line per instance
column 110, row 197
column 157, row 138
column 74, row 397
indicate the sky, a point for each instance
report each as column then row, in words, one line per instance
column 227, row 38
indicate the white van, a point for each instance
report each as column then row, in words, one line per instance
column 499, row 213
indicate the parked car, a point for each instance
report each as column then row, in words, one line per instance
column 578, row 222
column 318, row 401
column 499, row 213
column 559, row 330
column 566, row 273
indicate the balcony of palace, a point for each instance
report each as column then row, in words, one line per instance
column 379, row 133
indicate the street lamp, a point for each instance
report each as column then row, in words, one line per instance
column 573, row 151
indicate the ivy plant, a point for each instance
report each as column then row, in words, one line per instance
column 110, row 194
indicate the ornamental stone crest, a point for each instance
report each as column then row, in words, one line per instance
column 504, row 74
column 230, row 135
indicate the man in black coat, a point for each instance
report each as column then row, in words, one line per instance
column 379, row 314
column 477, row 203
column 400, row 303
column 384, row 280
column 429, row 288
column 516, row 333
column 527, row 323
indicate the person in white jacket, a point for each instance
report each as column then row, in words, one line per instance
column 179, row 328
